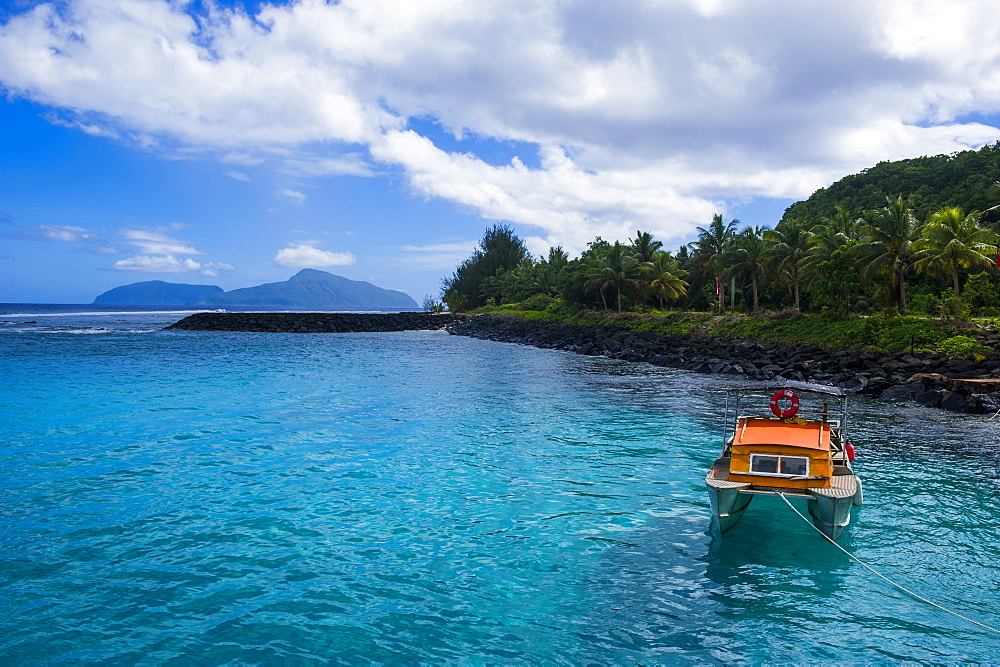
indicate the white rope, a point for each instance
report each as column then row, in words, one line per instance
column 882, row 576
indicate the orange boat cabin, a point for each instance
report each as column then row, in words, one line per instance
column 781, row 453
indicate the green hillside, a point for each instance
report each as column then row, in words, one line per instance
column 967, row 179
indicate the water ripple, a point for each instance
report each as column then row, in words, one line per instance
column 424, row 498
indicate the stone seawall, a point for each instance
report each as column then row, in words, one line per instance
column 313, row 322
column 932, row 380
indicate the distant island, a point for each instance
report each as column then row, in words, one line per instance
column 309, row 289
column 156, row 293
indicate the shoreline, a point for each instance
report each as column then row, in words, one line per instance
column 284, row 322
column 921, row 378
column 927, row 379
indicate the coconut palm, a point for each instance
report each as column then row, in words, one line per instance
column 713, row 242
column 644, row 247
column 668, row 277
column 787, row 251
column 615, row 268
column 952, row 240
column 828, row 262
column 748, row 257
column 887, row 247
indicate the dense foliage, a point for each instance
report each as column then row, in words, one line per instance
column 471, row 286
column 915, row 236
column 967, row 179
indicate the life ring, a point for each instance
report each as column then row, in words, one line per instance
column 776, row 409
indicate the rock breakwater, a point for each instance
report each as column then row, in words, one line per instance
column 313, row 322
column 933, row 380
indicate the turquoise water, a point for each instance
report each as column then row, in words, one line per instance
column 195, row 497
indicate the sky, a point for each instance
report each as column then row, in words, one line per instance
column 235, row 143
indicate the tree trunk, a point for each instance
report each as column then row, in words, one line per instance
column 756, row 307
column 902, row 295
column 954, row 280
column 619, row 300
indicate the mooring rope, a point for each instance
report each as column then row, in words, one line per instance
column 882, row 576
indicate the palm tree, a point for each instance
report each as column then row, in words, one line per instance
column 617, row 268
column 711, row 246
column 748, row 257
column 828, row 263
column 952, row 240
column 887, row 247
column 644, row 247
column 787, row 250
column 668, row 277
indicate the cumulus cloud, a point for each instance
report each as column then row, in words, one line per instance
column 638, row 113
column 170, row 264
column 163, row 254
column 308, row 256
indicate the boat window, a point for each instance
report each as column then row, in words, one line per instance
column 794, row 465
column 768, row 464
column 780, row 466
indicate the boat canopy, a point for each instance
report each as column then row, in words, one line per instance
column 763, row 431
column 827, row 390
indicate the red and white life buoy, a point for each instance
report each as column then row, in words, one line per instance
column 788, row 412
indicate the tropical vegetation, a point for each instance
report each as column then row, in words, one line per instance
column 928, row 248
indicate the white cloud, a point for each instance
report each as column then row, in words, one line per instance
column 170, row 264
column 164, row 254
column 570, row 205
column 242, row 159
column 157, row 264
column 238, row 175
column 644, row 113
column 346, row 165
column 92, row 129
column 69, row 233
column 155, row 243
column 294, row 196
column 307, row 256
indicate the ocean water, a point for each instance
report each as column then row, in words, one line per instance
column 403, row 498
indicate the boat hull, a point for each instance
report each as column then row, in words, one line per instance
column 830, row 508
column 831, row 515
column 728, row 505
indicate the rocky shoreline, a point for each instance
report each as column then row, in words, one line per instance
column 313, row 322
column 932, row 380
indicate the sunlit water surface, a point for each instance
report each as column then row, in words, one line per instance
column 419, row 497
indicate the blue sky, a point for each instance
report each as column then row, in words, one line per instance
column 234, row 145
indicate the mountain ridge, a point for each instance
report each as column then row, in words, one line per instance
column 312, row 288
column 155, row 293
column 307, row 289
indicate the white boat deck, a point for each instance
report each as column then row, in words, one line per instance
column 843, row 484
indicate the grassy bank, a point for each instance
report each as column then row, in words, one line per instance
column 884, row 334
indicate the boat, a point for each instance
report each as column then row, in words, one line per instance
column 786, row 440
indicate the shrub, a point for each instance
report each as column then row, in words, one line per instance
column 962, row 346
column 537, row 302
